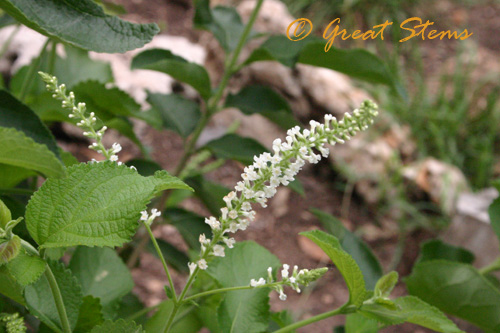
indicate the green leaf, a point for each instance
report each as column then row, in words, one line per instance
column 98, row 204
column 359, row 250
column 386, row 284
column 235, row 147
column 209, row 193
column 10, row 287
column 265, row 101
column 243, row 310
column 357, row 63
column 177, row 113
column 223, row 22
column 177, row 67
column 174, row 257
column 19, row 150
column 281, row 319
column 119, row 326
column 82, row 23
column 14, row 114
column 357, row 323
column 9, row 249
column 437, row 249
column 189, row 224
column 457, row 289
column 90, row 315
column 10, row 175
column 188, row 323
column 413, row 310
column 26, row 269
column 102, row 274
column 5, row 215
column 130, row 305
column 345, row 264
column 41, row 303
column 144, row 167
column 494, row 213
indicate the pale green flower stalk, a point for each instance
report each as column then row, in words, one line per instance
column 261, row 179
column 78, row 111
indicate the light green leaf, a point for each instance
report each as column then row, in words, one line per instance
column 437, row 249
column 345, row 264
column 177, row 67
column 178, row 113
column 102, row 274
column 457, row 289
column 5, row 215
column 359, row 250
column 41, row 303
column 19, row 150
column 119, row 326
column 413, row 310
column 9, row 249
column 386, row 284
column 10, row 175
column 82, row 23
column 26, row 269
column 174, row 257
column 235, row 147
column 14, row 114
column 357, row 323
column 98, row 204
column 189, row 323
column 90, row 315
column 189, row 224
column 265, row 101
column 10, row 287
column 244, row 310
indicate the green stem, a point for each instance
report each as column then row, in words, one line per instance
column 165, row 267
column 6, row 45
column 56, row 293
column 223, row 290
column 345, row 309
column 492, row 267
column 52, row 57
column 144, row 311
column 21, row 191
column 33, row 69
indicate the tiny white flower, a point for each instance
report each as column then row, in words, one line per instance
column 192, row 267
column 284, row 271
column 213, row 223
column 116, row 148
column 229, row 242
column 202, row 264
column 144, row 215
column 218, row 250
column 282, row 295
column 113, row 158
column 233, row 214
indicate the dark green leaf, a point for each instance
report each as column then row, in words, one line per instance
column 189, row 323
column 209, row 193
column 437, row 249
column 367, row 261
column 19, row 150
column 280, row 320
column 265, row 101
column 145, row 167
column 346, row 265
column 494, row 213
column 178, row 113
column 102, row 274
column 177, row 67
column 90, row 315
column 243, row 310
column 82, row 23
column 190, row 226
column 16, row 115
column 174, row 257
column 130, row 305
column 357, row 63
column 119, row 326
column 235, row 147
column 6, row 20
column 98, row 204
column 41, row 303
column 458, row 289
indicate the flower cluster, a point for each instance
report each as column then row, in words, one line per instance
column 269, row 170
column 78, row 112
column 303, row 277
column 148, row 219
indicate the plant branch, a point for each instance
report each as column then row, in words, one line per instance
column 56, row 293
column 492, row 267
column 345, row 309
column 223, row 290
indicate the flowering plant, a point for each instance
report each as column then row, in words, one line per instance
column 82, row 211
